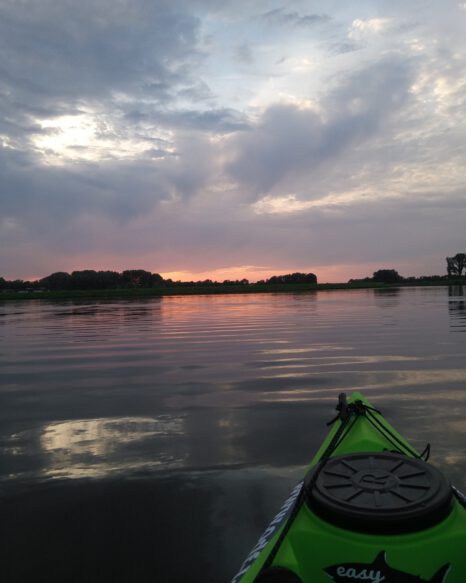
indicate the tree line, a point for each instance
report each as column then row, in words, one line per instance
column 456, row 264
column 455, row 267
column 89, row 279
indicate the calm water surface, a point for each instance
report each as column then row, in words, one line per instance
column 153, row 440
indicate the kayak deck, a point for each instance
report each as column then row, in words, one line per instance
column 376, row 539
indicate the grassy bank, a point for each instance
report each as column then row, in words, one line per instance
column 176, row 290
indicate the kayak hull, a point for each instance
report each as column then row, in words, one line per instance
column 299, row 541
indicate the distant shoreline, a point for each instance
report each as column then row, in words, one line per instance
column 214, row 289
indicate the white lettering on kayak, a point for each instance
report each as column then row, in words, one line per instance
column 363, row 575
column 269, row 532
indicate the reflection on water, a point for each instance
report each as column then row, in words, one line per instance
column 457, row 307
column 178, row 424
column 387, row 298
column 188, row 527
column 98, row 447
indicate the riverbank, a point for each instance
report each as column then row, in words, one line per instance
column 186, row 289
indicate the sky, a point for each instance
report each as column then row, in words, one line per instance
column 205, row 139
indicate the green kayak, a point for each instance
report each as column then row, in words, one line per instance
column 370, row 509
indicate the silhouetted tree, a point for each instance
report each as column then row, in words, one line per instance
column 85, row 279
column 108, row 280
column 18, row 285
column 235, row 282
column 387, row 276
column 57, row 280
column 456, row 264
column 141, row 278
column 293, row 278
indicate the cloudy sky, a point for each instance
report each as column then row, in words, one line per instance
column 199, row 138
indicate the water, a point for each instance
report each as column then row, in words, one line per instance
column 153, row 440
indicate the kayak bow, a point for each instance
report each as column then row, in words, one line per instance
column 370, row 508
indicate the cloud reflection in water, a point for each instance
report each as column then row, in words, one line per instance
column 97, row 447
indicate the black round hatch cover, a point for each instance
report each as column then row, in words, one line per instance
column 380, row 492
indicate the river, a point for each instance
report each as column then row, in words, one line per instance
column 153, row 440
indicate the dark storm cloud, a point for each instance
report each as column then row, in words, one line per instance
column 290, row 139
column 89, row 48
column 45, row 203
column 50, row 195
column 18, row 119
column 56, row 196
column 60, row 58
column 57, row 52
